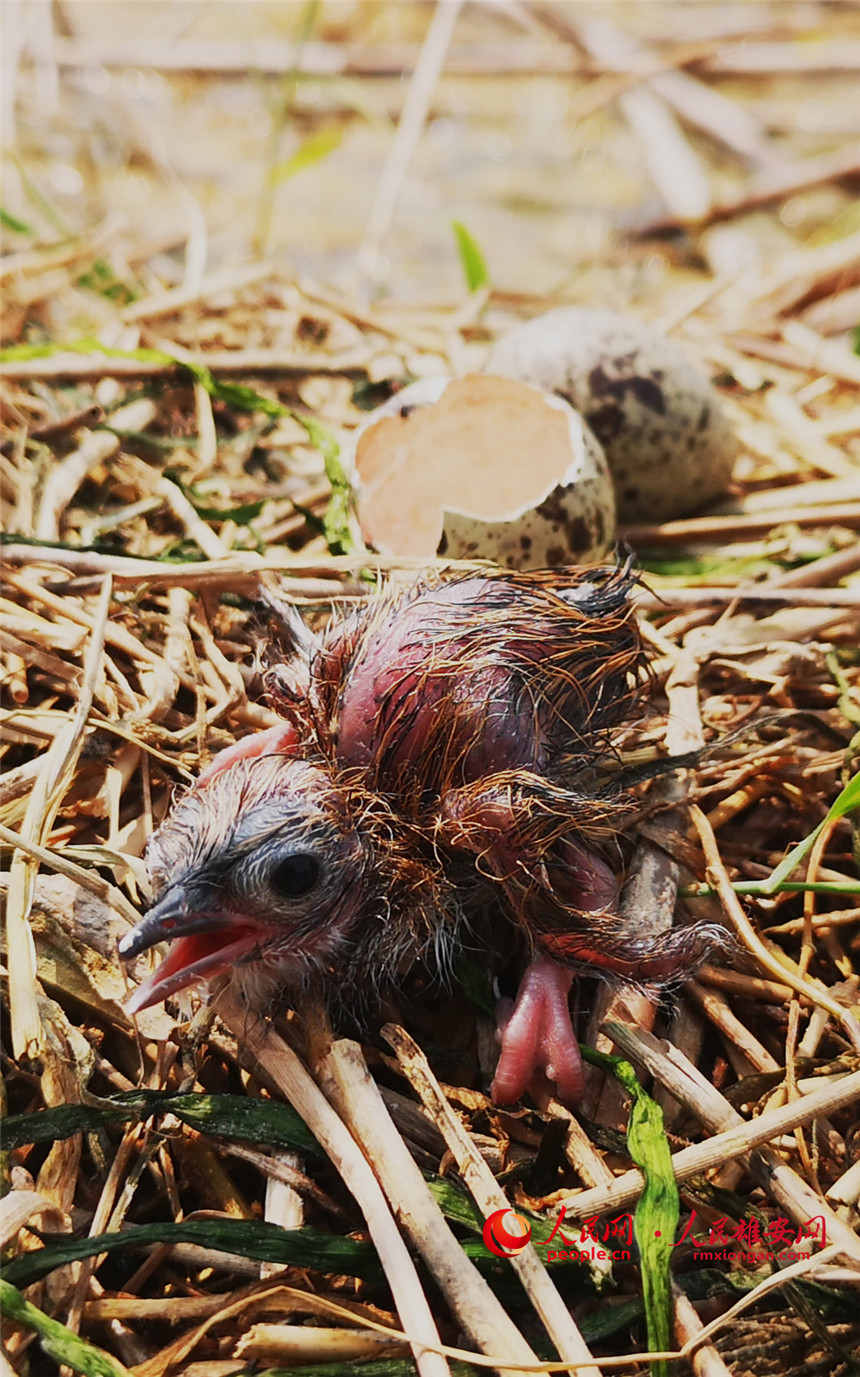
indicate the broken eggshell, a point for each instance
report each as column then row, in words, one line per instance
column 667, row 439
column 481, row 467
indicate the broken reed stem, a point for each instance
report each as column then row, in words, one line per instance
column 66, row 477
column 773, row 184
column 347, row 1082
column 673, row 1070
column 723, row 1146
column 651, row 888
column 20, row 1205
column 718, row 877
column 280, row 1062
column 705, row 1361
column 54, row 775
column 293, row 1344
column 694, row 528
column 88, row 879
column 61, row 367
column 488, row 1195
column 235, row 572
column 659, row 599
column 416, row 107
column 735, row 1033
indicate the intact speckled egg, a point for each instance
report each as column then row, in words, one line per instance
column 481, row 467
column 667, row 439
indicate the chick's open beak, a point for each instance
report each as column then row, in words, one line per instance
column 179, row 913
column 205, row 941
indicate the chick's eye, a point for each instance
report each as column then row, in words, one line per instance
column 295, row 876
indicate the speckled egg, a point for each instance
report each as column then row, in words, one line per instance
column 667, row 439
column 481, row 467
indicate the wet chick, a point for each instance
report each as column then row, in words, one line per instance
column 434, row 776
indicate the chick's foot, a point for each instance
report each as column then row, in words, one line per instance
column 537, row 1037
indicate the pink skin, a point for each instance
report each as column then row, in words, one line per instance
column 484, row 815
column 592, row 886
column 191, row 961
column 393, row 669
column 538, row 1036
column 280, row 740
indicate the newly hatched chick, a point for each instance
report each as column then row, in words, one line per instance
column 435, row 771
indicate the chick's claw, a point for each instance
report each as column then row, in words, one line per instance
column 538, row 1037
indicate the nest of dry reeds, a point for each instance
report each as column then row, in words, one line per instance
column 197, row 1194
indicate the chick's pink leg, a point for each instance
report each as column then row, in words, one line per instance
column 539, row 1037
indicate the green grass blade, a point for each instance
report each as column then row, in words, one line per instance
column 754, row 887
column 264, row 1122
column 655, row 1222
column 777, row 882
column 85, row 345
column 472, row 260
column 11, row 222
column 337, row 528
column 306, row 1247
column 312, row 151
column 101, row 278
column 57, row 1341
column 845, row 802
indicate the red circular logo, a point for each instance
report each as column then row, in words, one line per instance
column 499, row 1240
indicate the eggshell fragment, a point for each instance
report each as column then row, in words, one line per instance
column 483, row 468
column 667, row 439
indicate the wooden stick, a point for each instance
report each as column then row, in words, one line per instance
column 294, row 1344
column 75, row 420
column 823, row 354
column 816, row 492
column 733, row 1030
column 348, row 1084
column 702, row 1099
column 770, row 57
column 281, row 1064
column 489, row 1196
column 650, row 892
column 807, row 442
column 717, row 875
column 722, row 1147
column 177, row 298
column 320, row 59
column 416, row 107
column 724, row 527
column 65, row 478
column 705, row 1361
column 91, row 367
column 237, row 570
column 773, row 185
column 56, row 770
column 489, row 59
column 828, row 569
column 700, row 595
